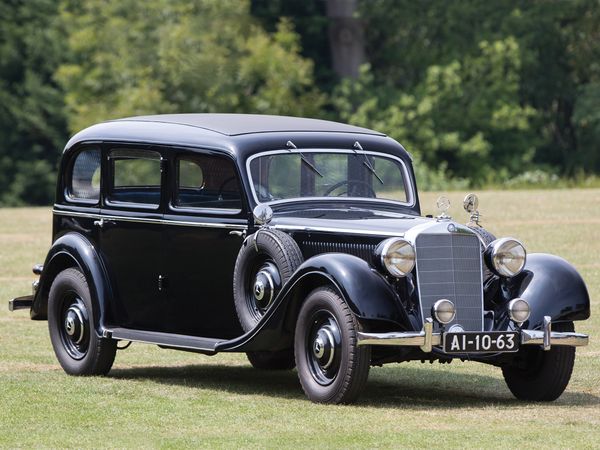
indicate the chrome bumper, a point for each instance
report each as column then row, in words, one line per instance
column 24, row 302
column 427, row 339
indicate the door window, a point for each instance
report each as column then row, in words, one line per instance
column 136, row 176
column 207, row 182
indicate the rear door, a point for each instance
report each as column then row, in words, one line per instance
column 131, row 235
column 204, row 220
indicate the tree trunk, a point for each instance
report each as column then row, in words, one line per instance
column 346, row 37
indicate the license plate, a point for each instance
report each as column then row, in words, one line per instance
column 481, row 342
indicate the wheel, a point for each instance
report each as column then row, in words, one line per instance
column 539, row 375
column 280, row 360
column 264, row 264
column 331, row 366
column 79, row 350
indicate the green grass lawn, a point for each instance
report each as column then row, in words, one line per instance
column 165, row 398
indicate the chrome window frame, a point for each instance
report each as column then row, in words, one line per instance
column 408, row 181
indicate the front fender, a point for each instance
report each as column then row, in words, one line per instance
column 74, row 250
column 367, row 292
column 553, row 287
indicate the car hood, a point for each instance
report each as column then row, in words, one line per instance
column 348, row 221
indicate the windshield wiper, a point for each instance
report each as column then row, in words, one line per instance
column 366, row 162
column 304, row 159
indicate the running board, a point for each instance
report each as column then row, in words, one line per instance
column 164, row 339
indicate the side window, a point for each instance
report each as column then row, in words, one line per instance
column 84, row 184
column 208, row 182
column 135, row 176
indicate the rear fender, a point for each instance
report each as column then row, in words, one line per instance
column 553, row 287
column 74, row 250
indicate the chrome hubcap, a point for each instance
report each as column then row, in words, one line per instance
column 75, row 324
column 324, row 347
column 75, row 331
column 266, row 282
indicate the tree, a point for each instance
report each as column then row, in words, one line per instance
column 32, row 121
column 172, row 56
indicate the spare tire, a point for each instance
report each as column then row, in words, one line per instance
column 266, row 261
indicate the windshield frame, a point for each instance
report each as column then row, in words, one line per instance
column 409, row 185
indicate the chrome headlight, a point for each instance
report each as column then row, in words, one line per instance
column 444, row 311
column 518, row 310
column 397, row 255
column 506, row 257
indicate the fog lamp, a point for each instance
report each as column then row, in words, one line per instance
column 519, row 310
column 444, row 311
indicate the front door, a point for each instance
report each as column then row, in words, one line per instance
column 131, row 237
column 204, row 220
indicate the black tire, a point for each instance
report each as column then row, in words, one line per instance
column 538, row 375
column 325, row 377
column 267, row 252
column 78, row 348
column 280, row 360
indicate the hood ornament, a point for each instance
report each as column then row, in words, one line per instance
column 471, row 203
column 443, row 205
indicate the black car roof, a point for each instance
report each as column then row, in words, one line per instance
column 237, row 124
column 240, row 135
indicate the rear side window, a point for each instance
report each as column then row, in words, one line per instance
column 136, row 176
column 208, row 182
column 85, row 176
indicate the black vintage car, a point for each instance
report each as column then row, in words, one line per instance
column 299, row 242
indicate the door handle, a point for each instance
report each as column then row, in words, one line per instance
column 241, row 234
column 103, row 222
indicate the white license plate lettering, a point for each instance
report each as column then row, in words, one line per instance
column 471, row 342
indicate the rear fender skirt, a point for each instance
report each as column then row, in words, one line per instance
column 367, row 292
column 553, row 287
column 74, row 250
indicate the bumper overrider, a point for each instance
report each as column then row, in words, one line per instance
column 427, row 338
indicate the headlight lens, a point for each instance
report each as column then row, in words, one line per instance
column 443, row 310
column 397, row 256
column 506, row 257
column 518, row 310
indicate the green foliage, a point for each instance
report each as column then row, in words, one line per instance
column 160, row 56
column 480, row 92
column 32, row 122
column 464, row 116
column 546, row 52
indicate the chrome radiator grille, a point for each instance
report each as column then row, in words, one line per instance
column 449, row 266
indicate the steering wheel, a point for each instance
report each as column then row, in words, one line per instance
column 222, row 187
column 371, row 192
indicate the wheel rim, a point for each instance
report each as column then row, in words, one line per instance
column 264, row 283
column 74, row 326
column 323, row 347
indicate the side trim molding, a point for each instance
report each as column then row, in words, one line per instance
column 183, row 223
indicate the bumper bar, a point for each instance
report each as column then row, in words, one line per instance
column 24, row 302
column 427, row 339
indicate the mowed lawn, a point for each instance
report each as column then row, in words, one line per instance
column 164, row 398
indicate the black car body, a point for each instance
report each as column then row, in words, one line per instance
column 167, row 230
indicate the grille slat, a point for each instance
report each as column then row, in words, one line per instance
column 363, row 251
column 449, row 266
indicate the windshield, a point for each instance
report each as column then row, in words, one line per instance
column 298, row 174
